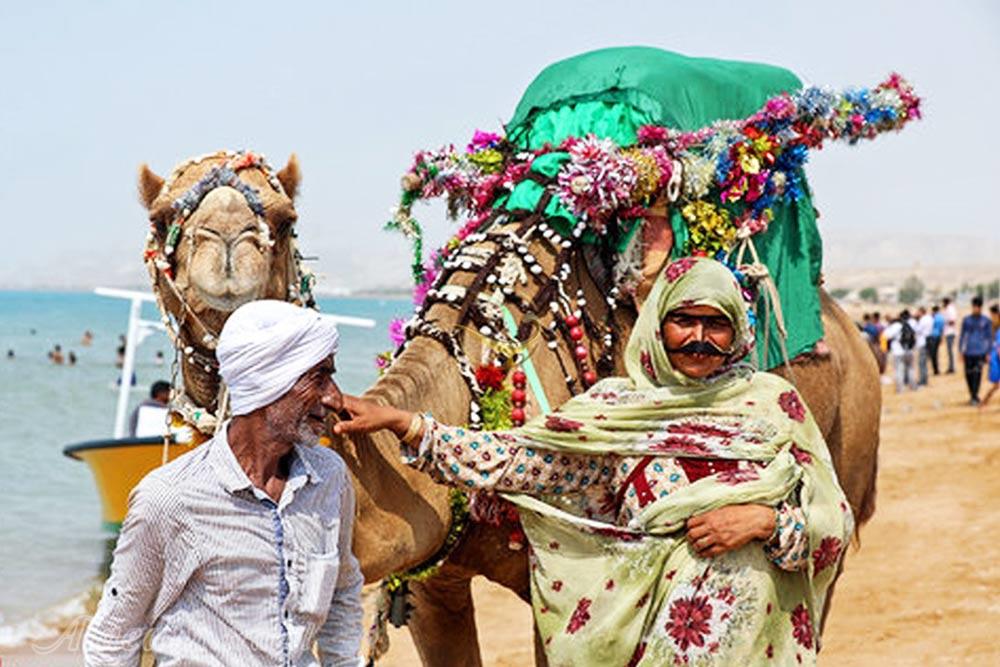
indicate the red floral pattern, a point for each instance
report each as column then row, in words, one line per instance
column 647, row 364
column 738, row 475
column 677, row 269
column 826, row 554
column 689, row 621
column 803, row 457
column 580, row 617
column 802, row 628
column 792, row 405
column 561, row 424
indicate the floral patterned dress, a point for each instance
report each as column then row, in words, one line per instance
column 609, row 488
column 605, row 485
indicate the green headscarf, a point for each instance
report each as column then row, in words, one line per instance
column 604, row 594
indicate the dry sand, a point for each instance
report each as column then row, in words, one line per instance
column 924, row 588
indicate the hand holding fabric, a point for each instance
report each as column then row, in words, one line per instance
column 728, row 528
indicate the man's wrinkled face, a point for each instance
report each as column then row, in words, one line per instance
column 697, row 339
column 299, row 417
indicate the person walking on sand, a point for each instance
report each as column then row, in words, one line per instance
column 902, row 338
column 925, row 328
column 974, row 344
column 934, row 340
column 994, row 369
column 239, row 552
column 950, row 329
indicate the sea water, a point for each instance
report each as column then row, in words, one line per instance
column 52, row 545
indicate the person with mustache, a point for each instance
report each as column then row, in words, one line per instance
column 688, row 512
column 239, row 552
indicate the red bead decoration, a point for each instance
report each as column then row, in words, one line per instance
column 572, row 320
column 580, row 352
column 576, row 333
column 589, row 378
column 519, row 379
column 518, row 397
column 517, row 416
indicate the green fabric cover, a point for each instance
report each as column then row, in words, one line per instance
column 612, row 92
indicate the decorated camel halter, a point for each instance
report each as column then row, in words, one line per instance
column 161, row 259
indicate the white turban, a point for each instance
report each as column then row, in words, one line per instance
column 266, row 346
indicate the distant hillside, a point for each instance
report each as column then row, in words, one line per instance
column 943, row 262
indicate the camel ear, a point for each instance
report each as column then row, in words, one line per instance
column 149, row 185
column 290, row 176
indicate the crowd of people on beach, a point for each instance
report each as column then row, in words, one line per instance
column 913, row 341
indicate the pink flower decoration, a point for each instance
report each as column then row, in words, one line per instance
column 581, row 615
column 652, row 134
column 397, row 331
column 780, row 107
column 514, row 174
column 678, row 268
column 792, row 405
column 481, row 140
column 597, row 180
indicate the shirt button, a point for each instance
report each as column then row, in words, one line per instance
column 286, row 614
column 289, row 562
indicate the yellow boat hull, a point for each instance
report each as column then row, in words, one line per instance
column 118, row 465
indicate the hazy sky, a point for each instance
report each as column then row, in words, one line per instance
column 92, row 89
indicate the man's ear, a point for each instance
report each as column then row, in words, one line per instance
column 290, row 176
column 149, row 185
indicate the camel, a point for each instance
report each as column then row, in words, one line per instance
column 224, row 254
column 403, row 517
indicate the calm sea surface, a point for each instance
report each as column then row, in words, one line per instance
column 51, row 542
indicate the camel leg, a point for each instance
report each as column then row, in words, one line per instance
column 443, row 622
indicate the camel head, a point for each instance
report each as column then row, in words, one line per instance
column 221, row 229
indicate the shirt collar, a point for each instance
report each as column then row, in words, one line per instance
column 231, row 473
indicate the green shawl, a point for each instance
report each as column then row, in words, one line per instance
column 615, row 595
column 612, row 92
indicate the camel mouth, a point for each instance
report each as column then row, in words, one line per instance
column 228, row 299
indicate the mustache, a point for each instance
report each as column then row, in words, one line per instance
column 699, row 347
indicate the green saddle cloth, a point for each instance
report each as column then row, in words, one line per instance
column 612, row 92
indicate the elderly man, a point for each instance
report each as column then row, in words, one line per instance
column 239, row 553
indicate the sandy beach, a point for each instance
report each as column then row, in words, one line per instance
column 923, row 587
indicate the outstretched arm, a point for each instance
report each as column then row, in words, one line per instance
column 475, row 459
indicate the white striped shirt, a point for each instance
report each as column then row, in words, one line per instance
column 223, row 575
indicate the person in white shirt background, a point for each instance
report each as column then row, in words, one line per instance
column 950, row 330
column 902, row 337
column 925, row 327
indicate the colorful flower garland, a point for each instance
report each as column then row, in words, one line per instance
column 733, row 172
